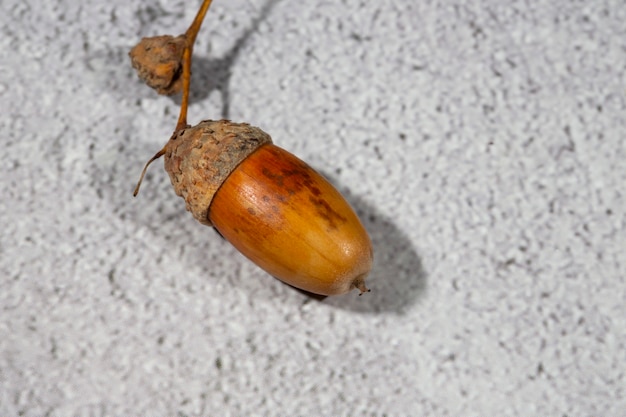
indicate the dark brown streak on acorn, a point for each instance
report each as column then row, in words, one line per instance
column 276, row 178
column 295, row 180
column 326, row 212
column 316, row 191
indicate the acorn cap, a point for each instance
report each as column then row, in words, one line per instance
column 158, row 61
column 198, row 160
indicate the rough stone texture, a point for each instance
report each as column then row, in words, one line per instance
column 481, row 141
column 198, row 160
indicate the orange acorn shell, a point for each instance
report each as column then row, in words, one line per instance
column 273, row 207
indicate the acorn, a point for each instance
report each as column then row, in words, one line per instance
column 274, row 208
column 159, row 62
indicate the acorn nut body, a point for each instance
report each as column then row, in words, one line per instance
column 273, row 207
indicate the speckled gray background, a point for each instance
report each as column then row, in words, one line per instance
column 482, row 142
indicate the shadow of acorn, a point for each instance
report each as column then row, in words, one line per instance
column 397, row 279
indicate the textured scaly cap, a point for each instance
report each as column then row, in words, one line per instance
column 198, row 160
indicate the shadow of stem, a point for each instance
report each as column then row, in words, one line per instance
column 210, row 74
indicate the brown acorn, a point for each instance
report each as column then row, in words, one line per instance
column 273, row 207
column 158, row 61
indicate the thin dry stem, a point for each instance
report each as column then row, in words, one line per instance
column 145, row 168
column 184, row 104
column 194, row 28
column 190, row 37
column 359, row 284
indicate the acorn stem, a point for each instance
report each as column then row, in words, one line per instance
column 359, row 284
column 145, row 168
column 184, row 104
column 194, row 28
column 190, row 36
